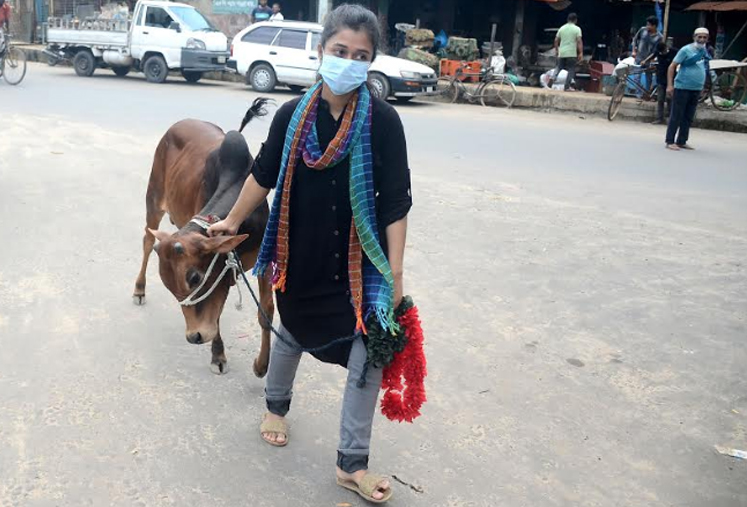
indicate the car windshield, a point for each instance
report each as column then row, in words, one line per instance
column 195, row 21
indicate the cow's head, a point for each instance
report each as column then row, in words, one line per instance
column 184, row 259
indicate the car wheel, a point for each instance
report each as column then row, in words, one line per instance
column 155, row 69
column 379, row 85
column 191, row 76
column 262, row 78
column 84, row 63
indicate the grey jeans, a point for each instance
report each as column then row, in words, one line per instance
column 358, row 404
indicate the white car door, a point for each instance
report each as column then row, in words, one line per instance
column 312, row 58
column 291, row 56
column 254, row 46
column 138, row 39
column 152, row 33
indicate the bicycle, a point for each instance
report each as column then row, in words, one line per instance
column 494, row 89
column 627, row 80
column 12, row 62
column 726, row 89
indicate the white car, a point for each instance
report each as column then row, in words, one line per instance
column 273, row 53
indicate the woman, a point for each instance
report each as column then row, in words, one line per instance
column 336, row 236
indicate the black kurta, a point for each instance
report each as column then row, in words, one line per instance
column 315, row 307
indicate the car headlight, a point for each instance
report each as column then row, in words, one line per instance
column 193, row 43
column 409, row 74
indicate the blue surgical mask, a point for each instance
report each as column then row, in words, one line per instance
column 343, row 75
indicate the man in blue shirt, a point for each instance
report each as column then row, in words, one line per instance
column 261, row 12
column 685, row 89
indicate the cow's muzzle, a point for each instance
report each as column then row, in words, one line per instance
column 195, row 338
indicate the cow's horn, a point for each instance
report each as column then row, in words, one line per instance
column 178, row 248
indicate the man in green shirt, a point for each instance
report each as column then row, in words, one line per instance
column 570, row 50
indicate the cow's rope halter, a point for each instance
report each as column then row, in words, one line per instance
column 232, row 264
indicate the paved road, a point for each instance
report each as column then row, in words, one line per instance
column 583, row 292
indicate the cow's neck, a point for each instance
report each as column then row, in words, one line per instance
column 224, row 197
column 220, row 202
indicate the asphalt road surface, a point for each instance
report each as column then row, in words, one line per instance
column 583, row 294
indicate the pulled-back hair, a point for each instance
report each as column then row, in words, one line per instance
column 354, row 17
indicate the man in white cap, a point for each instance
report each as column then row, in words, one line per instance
column 685, row 89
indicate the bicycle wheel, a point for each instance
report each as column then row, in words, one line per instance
column 617, row 98
column 14, row 65
column 498, row 92
column 448, row 88
column 728, row 91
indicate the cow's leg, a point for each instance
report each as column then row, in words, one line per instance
column 267, row 305
column 219, row 363
column 153, row 214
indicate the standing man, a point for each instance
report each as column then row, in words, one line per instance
column 664, row 56
column 4, row 23
column 570, row 50
column 276, row 14
column 261, row 12
column 646, row 40
column 686, row 89
column 645, row 43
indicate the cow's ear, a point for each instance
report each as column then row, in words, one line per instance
column 159, row 235
column 224, row 244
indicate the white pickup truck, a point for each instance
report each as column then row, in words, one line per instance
column 160, row 36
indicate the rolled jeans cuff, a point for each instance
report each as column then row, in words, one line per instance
column 351, row 463
column 279, row 406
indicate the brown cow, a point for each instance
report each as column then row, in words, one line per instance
column 198, row 171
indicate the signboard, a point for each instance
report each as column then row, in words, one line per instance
column 233, row 6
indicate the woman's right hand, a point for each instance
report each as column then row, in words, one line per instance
column 225, row 227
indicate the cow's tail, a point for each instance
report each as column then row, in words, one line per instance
column 259, row 108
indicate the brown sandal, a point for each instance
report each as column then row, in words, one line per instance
column 274, row 427
column 367, row 487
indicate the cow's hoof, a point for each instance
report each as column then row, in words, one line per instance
column 139, row 300
column 219, row 368
column 260, row 372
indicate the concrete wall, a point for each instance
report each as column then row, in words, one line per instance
column 229, row 24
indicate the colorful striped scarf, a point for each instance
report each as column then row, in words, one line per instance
column 371, row 280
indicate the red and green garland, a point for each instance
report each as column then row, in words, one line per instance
column 401, row 355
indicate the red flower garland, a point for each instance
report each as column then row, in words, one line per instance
column 404, row 392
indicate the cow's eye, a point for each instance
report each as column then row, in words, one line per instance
column 193, row 278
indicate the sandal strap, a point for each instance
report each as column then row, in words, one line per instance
column 274, row 427
column 369, row 484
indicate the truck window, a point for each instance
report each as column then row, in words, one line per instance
column 157, row 17
column 261, row 35
column 294, row 39
column 193, row 19
column 140, row 16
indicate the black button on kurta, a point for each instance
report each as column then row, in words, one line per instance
column 315, row 307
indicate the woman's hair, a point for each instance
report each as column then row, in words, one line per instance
column 356, row 18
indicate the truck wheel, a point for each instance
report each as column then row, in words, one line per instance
column 191, row 76
column 379, row 85
column 121, row 71
column 262, row 78
column 155, row 69
column 84, row 63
